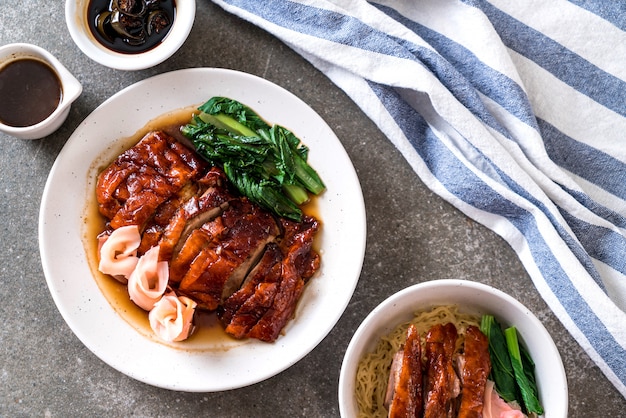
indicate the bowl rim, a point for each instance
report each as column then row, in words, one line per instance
column 551, row 377
column 87, row 43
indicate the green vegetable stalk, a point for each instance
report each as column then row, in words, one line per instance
column 502, row 372
column 527, row 386
column 267, row 164
column 512, row 369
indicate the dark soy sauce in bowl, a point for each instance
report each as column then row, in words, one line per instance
column 30, row 91
column 142, row 28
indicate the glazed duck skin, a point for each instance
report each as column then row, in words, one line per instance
column 406, row 385
column 476, row 368
column 298, row 264
column 442, row 384
column 131, row 189
column 219, row 269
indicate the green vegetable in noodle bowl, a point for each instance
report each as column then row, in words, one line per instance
column 267, row 164
column 512, row 367
column 524, row 375
column 502, row 371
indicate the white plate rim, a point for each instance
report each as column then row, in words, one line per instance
column 91, row 317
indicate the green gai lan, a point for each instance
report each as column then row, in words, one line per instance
column 512, row 368
column 267, row 164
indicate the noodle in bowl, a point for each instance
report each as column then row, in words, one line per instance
column 457, row 301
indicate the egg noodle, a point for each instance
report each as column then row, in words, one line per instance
column 373, row 370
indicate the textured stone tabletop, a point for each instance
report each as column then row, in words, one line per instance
column 413, row 236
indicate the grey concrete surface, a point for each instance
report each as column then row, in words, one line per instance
column 413, row 236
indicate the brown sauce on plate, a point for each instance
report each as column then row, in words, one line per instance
column 30, row 90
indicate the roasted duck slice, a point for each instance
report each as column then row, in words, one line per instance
column 158, row 224
column 130, row 190
column 299, row 263
column 243, row 309
column 298, row 240
column 212, row 199
column 193, row 246
column 274, row 286
column 442, row 383
column 405, row 388
column 220, row 267
column 476, row 366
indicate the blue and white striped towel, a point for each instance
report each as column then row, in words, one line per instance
column 513, row 111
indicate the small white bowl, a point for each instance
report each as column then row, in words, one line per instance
column 76, row 20
column 71, row 89
column 470, row 297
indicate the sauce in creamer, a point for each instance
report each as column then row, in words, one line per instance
column 209, row 334
column 30, row 90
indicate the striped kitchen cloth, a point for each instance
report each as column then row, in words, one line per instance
column 513, row 111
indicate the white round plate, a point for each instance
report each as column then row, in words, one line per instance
column 93, row 319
